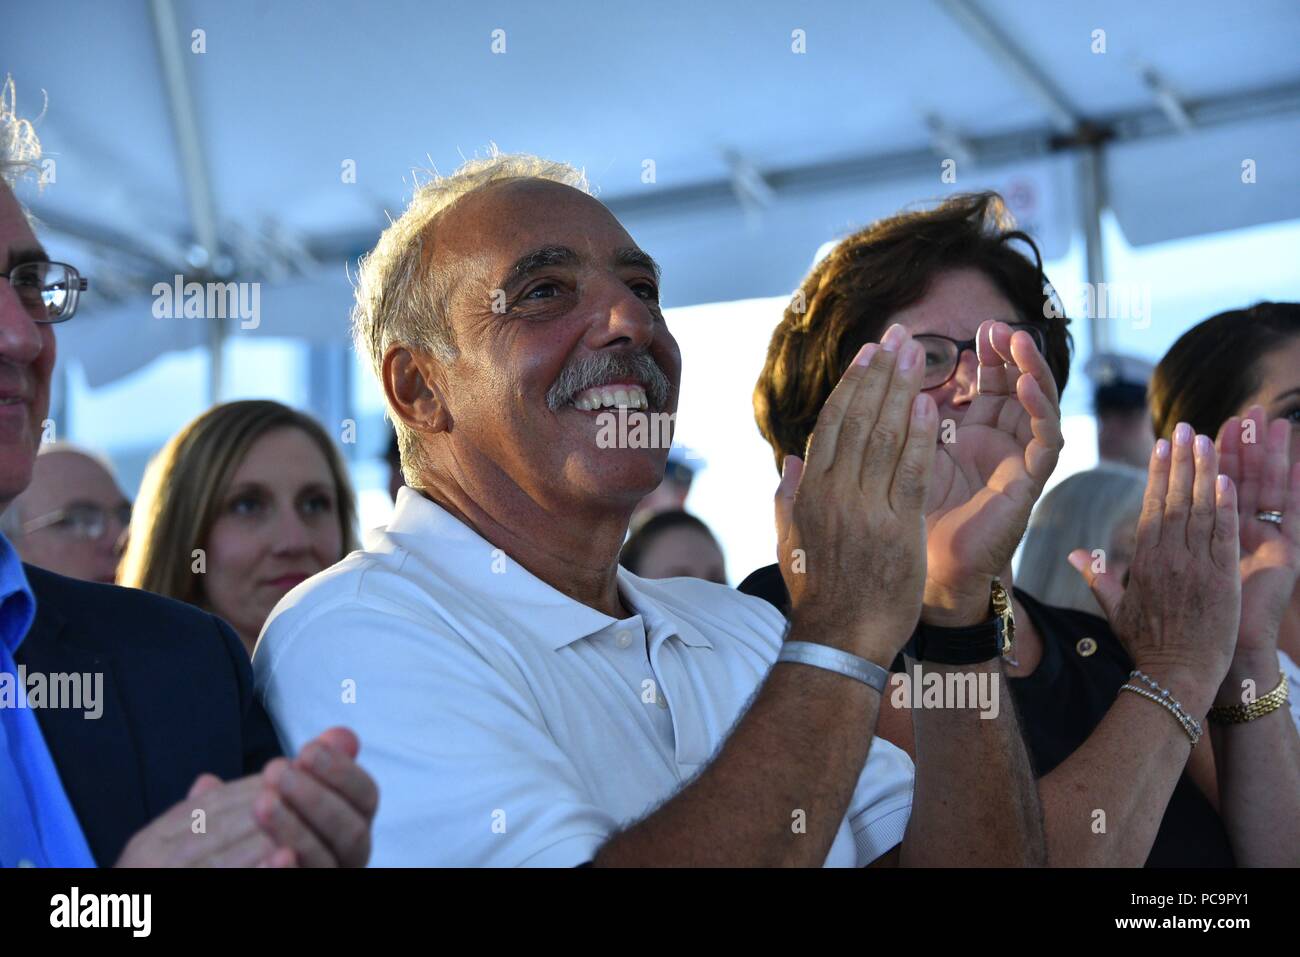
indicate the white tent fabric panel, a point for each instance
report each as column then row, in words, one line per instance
column 284, row 94
column 1197, row 182
column 115, row 342
column 722, row 256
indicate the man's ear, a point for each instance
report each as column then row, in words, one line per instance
column 416, row 391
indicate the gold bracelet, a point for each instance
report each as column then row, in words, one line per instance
column 1241, row 713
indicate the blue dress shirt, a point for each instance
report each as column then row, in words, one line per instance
column 38, row 827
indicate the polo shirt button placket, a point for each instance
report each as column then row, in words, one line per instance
column 623, row 639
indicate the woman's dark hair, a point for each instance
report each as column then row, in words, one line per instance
column 639, row 541
column 1209, row 373
column 847, row 299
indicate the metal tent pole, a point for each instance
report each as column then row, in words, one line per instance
column 198, row 185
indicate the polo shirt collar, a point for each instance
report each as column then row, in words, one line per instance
column 513, row 598
column 639, row 594
column 17, row 604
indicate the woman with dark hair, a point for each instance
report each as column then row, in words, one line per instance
column 1252, row 357
column 674, row 544
column 243, row 504
column 1111, row 717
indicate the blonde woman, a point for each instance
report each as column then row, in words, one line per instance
column 243, row 504
column 1096, row 509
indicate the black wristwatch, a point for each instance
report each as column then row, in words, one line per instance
column 973, row 644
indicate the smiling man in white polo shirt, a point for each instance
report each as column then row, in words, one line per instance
column 524, row 700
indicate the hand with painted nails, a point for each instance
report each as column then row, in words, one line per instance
column 1256, row 455
column 989, row 476
column 315, row 811
column 850, row 518
column 1179, row 614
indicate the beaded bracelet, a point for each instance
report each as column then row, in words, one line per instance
column 1184, row 717
column 1166, row 701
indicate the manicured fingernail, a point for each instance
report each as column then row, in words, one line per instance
column 1078, row 560
column 1222, row 484
column 1203, row 446
column 921, row 407
column 893, row 336
column 865, row 353
column 1182, row 433
column 910, row 355
column 1162, row 449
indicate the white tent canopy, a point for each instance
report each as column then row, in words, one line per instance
column 215, row 140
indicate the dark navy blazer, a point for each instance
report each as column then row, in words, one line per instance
column 177, row 702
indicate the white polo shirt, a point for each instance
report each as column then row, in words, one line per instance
column 507, row 724
column 1292, row 672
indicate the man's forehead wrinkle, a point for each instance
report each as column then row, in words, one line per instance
column 508, row 204
column 469, row 285
column 498, row 205
column 474, row 276
column 499, row 232
column 450, row 251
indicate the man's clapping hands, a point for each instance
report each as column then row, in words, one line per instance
column 313, row 811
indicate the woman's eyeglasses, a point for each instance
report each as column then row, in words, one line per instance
column 942, row 354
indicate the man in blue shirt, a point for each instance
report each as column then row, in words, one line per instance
column 174, row 763
column 40, row 828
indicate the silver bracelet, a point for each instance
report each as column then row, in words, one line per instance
column 1190, row 725
column 1166, row 696
column 832, row 659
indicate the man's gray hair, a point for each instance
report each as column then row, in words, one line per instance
column 398, row 296
column 20, row 149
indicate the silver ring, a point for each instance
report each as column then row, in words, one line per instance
column 1269, row 515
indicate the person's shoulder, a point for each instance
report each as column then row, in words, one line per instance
column 1074, row 617
column 370, row 599
column 146, row 634
column 1071, row 625
column 768, row 584
column 113, row 614
column 384, row 582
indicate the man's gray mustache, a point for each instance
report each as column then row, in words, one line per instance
column 610, row 367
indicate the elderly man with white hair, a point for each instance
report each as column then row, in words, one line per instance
column 526, row 701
